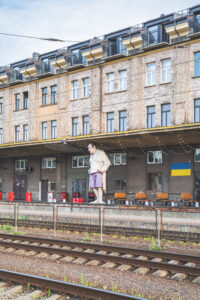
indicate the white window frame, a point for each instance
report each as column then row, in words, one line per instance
column 154, row 157
column 166, row 72
column 151, row 74
column 122, row 80
column 75, row 90
column 1, row 136
column 46, row 135
column 25, row 133
column 1, row 105
column 23, row 163
column 113, row 159
column 49, row 163
column 86, row 87
column 110, row 82
column 196, row 150
column 79, row 157
column 17, row 134
column 54, row 129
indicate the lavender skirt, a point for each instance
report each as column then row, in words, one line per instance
column 96, row 180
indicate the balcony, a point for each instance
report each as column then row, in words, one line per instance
column 44, row 69
column 75, row 60
column 58, row 64
column 154, row 37
column 93, row 55
column 113, row 49
column 14, row 77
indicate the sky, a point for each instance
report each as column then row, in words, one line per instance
column 75, row 20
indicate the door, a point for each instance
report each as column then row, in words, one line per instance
column 20, row 187
column 79, row 185
column 155, row 182
column 197, row 185
column 44, row 190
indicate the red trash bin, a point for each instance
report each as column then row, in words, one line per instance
column 11, row 196
column 64, row 197
column 28, row 197
column 0, row 195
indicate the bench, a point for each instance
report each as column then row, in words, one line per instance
column 141, row 198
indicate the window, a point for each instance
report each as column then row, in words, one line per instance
column 0, row 184
column 53, row 129
column 44, row 130
column 154, row 157
column 120, row 185
column 86, row 125
column 86, row 87
column 123, row 80
column 75, row 89
column 17, row 134
column 151, row 116
column 166, row 70
column 1, row 105
column 153, row 35
column 1, row 135
column 44, row 96
column 117, row 158
column 75, row 126
column 155, row 182
column 54, row 94
column 123, row 120
column 110, row 122
column 197, row 64
column 49, row 163
column 151, row 74
column 110, row 82
column 17, row 102
column 21, row 164
column 80, row 161
column 25, row 100
column 197, row 155
column 25, row 133
column 197, row 110
column 165, row 114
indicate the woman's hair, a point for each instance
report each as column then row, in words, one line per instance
column 92, row 144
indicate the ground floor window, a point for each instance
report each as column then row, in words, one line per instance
column 0, row 184
column 155, row 182
column 120, row 185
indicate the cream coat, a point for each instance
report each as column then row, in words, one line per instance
column 101, row 160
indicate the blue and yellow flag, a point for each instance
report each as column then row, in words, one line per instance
column 181, row 169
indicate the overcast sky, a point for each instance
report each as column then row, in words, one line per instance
column 71, row 20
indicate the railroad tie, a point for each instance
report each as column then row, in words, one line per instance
column 32, row 253
column 96, row 262
column 12, row 291
column 125, row 267
column 33, row 295
column 56, row 297
column 142, row 270
column 43, row 254
column 69, row 258
column 54, row 256
column 81, row 260
column 196, row 280
column 164, row 273
column 110, row 265
column 182, row 276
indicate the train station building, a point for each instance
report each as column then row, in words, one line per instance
column 134, row 92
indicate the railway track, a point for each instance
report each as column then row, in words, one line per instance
column 143, row 232
column 22, row 286
column 162, row 264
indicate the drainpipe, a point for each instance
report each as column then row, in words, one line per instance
column 100, row 98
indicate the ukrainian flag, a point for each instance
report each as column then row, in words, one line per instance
column 181, row 169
